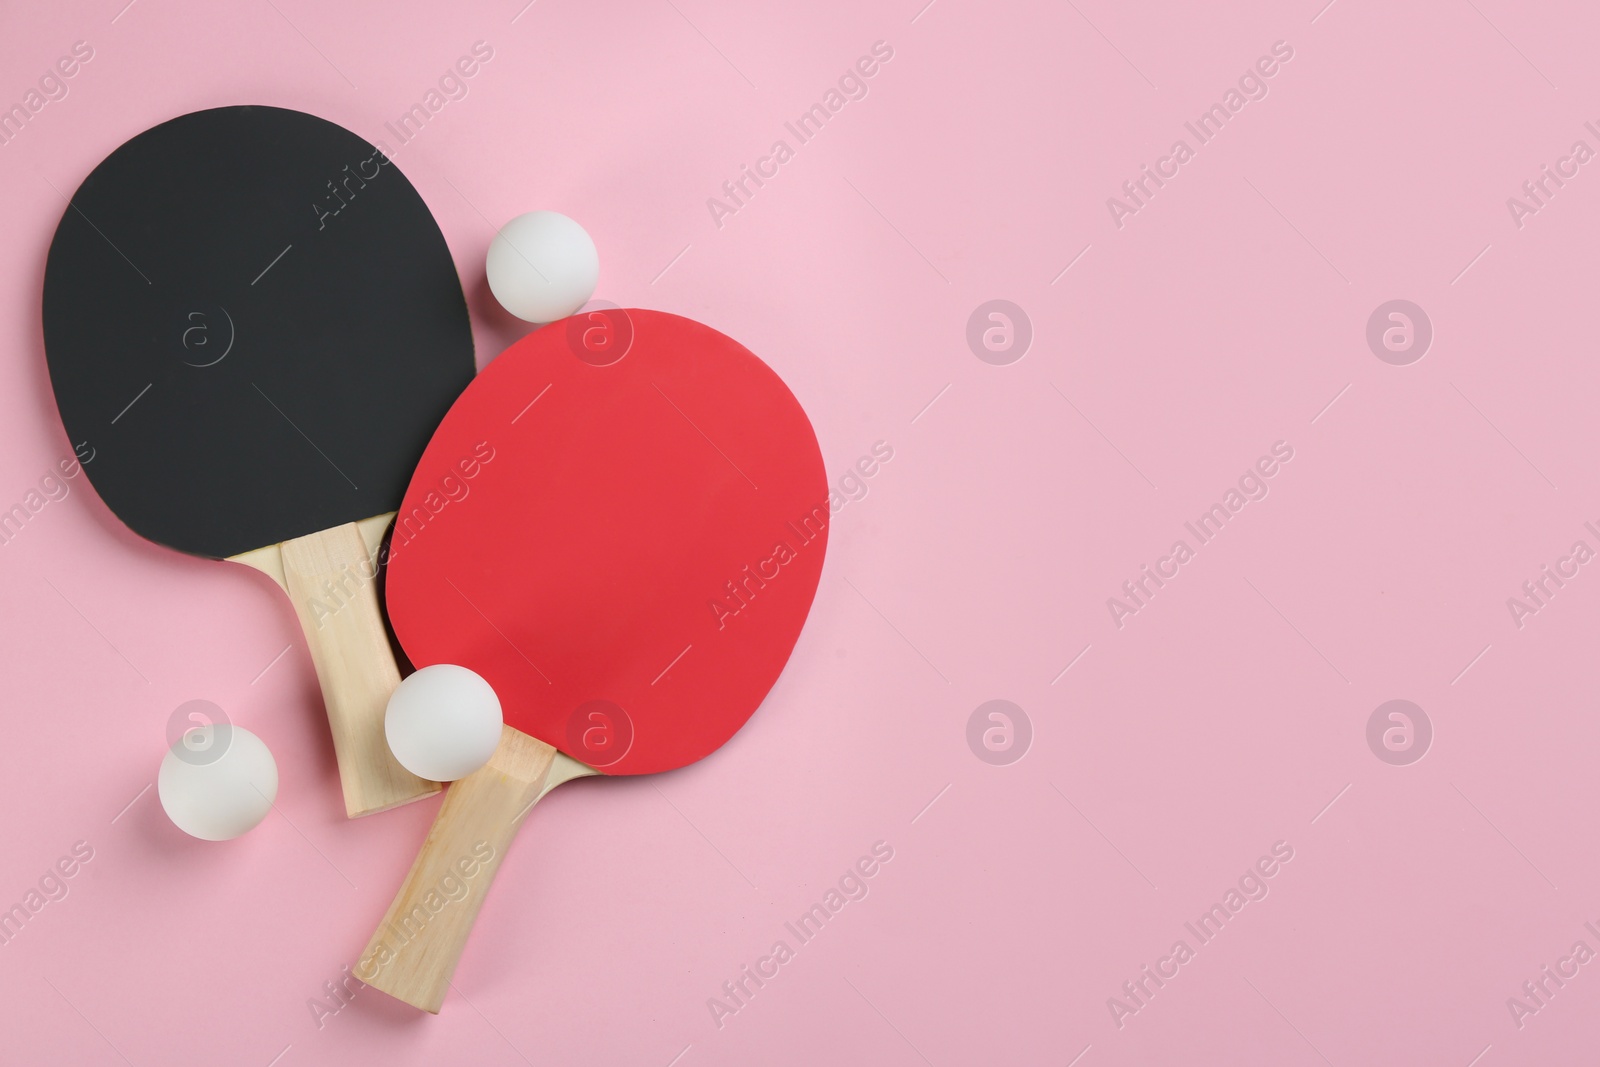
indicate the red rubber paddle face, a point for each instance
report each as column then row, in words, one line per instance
column 620, row 524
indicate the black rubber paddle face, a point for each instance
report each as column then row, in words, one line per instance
column 253, row 320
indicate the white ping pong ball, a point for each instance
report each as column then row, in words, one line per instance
column 542, row 266
column 443, row 722
column 217, row 782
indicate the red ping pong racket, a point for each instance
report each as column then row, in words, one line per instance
column 252, row 318
column 620, row 524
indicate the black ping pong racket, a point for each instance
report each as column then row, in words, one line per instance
column 253, row 319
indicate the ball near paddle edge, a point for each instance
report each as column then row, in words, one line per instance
column 443, row 722
column 542, row 266
column 217, row 782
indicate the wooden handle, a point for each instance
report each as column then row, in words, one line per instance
column 331, row 578
column 414, row 953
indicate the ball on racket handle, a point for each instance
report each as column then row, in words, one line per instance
column 443, row 722
column 542, row 266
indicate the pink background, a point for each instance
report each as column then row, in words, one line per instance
column 1224, row 717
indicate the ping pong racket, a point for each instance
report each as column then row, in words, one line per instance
column 253, row 320
column 620, row 524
